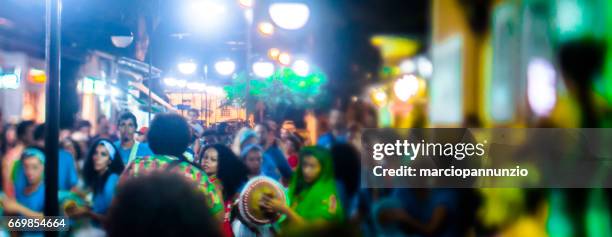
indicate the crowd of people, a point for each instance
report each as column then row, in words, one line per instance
column 181, row 178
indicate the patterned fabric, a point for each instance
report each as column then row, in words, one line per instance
column 146, row 164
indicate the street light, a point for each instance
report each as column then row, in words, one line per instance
column 301, row 68
column 284, row 58
column 406, row 87
column 407, row 66
column 273, row 53
column 424, row 67
column 289, row 16
column 204, row 14
column 180, row 83
column 225, row 67
column 187, row 68
column 122, row 41
column 170, row 81
column 263, row 69
column 265, row 28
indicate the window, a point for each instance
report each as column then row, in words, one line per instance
column 226, row 112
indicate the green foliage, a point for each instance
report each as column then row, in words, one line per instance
column 283, row 88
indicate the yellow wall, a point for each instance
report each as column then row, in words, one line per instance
column 449, row 20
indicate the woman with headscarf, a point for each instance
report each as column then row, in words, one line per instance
column 312, row 191
column 30, row 197
column 30, row 191
column 103, row 166
column 227, row 172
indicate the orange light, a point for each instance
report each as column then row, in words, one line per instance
column 265, row 28
column 37, row 76
column 273, row 53
column 284, row 59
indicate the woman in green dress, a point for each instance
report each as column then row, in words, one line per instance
column 312, row 191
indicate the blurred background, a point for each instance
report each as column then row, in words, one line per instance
column 392, row 63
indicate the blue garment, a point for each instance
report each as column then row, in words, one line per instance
column 268, row 168
column 422, row 208
column 278, row 165
column 67, row 173
column 143, row 150
column 68, row 176
column 328, row 139
column 35, row 201
column 102, row 199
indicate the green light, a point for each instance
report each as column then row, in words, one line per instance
column 558, row 224
column 598, row 214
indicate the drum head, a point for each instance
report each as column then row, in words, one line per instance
column 251, row 195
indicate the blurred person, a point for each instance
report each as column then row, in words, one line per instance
column 65, row 133
column 274, row 164
column 420, row 212
column 347, row 170
column 73, row 148
column 128, row 147
column 243, row 137
column 287, row 129
column 193, row 116
column 228, row 173
column 169, row 136
column 29, row 200
column 67, row 173
column 337, row 132
column 291, row 146
column 104, row 130
column 194, row 147
column 83, row 127
column 252, row 157
column 81, row 139
column 103, row 166
column 312, row 191
column 8, row 138
column 25, row 138
column 142, row 208
column 210, row 137
column 224, row 169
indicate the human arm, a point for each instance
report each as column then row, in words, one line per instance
column 12, row 206
column 274, row 205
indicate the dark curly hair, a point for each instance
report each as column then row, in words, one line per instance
column 160, row 204
column 169, row 134
column 231, row 171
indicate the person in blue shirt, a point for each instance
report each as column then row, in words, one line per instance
column 67, row 173
column 337, row 133
column 103, row 166
column 127, row 146
column 274, row 165
column 422, row 212
column 30, row 198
